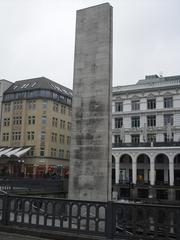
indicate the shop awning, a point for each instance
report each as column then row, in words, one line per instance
column 22, row 152
column 1, row 149
column 3, row 152
column 9, row 154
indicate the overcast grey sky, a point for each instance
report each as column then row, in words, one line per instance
column 37, row 39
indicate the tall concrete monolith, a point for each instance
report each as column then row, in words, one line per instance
column 90, row 162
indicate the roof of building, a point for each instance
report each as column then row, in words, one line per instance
column 38, row 83
column 155, row 78
column 4, row 80
column 150, row 82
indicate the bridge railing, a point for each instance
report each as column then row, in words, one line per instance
column 106, row 219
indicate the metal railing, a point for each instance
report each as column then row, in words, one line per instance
column 107, row 219
column 146, row 144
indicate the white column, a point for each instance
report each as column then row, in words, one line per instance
column 117, row 169
column 134, row 170
column 152, row 171
column 171, row 171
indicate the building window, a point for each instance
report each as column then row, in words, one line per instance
column 135, row 105
column 61, row 153
column 118, row 122
column 69, row 126
column 30, row 153
column 135, row 122
column 68, row 140
column 53, row 152
column 118, row 106
column 54, row 137
column 117, row 139
column 168, row 119
column 62, row 124
column 43, row 137
column 168, row 102
column 151, row 103
column 63, row 109
column 61, row 139
column 151, row 121
column 17, row 120
column 67, row 155
column 43, row 119
column 16, row 136
column 45, row 104
column 32, row 105
column 135, row 138
column 54, row 122
column 55, row 106
column 5, row 137
column 17, row 105
column 151, row 137
column 7, row 107
column 31, row 120
column 6, row 122
column 30, row 135
column 42, row 151
column 168, row 137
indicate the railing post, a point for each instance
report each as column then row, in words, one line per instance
column 5, row 209
column 109, row 221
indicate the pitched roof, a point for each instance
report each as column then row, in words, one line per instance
column 38, row 83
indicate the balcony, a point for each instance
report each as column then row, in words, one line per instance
column 146, row 144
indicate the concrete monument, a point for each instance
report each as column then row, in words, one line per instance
column 90, row 162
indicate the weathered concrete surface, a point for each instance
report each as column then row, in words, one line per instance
column 90, row 164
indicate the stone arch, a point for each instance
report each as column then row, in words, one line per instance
column 143, row 168
column 161, row 161
column 177, row 169
column 125, row 168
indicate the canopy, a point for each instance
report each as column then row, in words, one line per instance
column 22, row 152
column 9, row 152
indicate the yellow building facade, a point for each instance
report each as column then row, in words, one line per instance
column 36, row 118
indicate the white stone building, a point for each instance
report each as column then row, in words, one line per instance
column 146, row 139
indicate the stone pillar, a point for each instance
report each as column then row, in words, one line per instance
column 171, row 171
column 117, row 169
column 91, row 158
column 134, row 170
column 152, row 171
